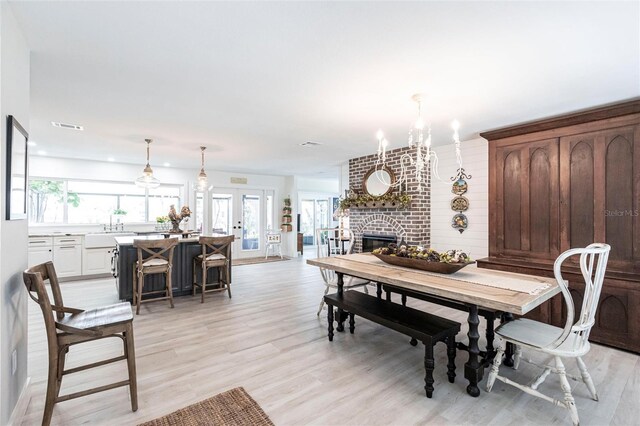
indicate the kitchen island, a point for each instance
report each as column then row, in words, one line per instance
column 181, row 274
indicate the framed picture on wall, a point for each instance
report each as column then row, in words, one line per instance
column 16, row 174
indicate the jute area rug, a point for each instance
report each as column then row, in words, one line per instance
column 233, row 407
column 256, row 260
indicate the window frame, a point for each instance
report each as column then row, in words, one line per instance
column 65, row 204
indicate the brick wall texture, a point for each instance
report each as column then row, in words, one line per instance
column 411, row 223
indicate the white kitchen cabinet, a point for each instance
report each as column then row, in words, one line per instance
column 67, row 260
column 67, row 255
column 40, row 250
column 97, row 261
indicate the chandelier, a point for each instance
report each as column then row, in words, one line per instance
column 147, row 180
column 424, row 159
column 202, row 182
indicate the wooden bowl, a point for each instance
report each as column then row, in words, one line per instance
column 438, row 267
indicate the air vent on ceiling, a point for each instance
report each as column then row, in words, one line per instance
column 66, row 126
column 310, row 143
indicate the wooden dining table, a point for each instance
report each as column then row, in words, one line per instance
column 472, row 288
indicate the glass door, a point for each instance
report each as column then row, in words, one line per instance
column 314, row 214
column 239, row 212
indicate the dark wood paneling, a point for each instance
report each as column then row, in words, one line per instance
column 568, row 182
column 581, row 194
column 512, row 181
column 540, row 201
column 619, row 195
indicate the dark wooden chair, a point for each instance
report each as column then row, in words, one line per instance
column 70, row 326
column 154, row 257
column 216, row 253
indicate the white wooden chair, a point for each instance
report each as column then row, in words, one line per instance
column 274, row 243
column 333, row 242
column 570, row 342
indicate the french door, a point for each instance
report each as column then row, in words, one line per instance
column 240, row 212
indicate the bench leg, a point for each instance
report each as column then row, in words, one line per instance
column 428, row 367
column 451, row 354
column 379, row 290
column 330, row 321
column 352, row 323
column 342, row 317
column 403, row 298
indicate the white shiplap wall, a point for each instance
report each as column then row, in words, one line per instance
column 475, row 239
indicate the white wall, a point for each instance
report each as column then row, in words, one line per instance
column 475, row 239
column 14, row 100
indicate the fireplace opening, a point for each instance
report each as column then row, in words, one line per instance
column 371, row 242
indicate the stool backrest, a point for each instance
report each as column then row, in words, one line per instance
column 34, row 279
column 216, row 245
column 595, row 255
column 274, row 237
column 155, row 249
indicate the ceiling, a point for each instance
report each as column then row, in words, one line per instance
column 252, row 81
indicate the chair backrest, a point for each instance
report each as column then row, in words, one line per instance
column 34, row 279
column 155, row 249
column 216, row 245
column 594, row 255
column 274, row 237
column 329, row 242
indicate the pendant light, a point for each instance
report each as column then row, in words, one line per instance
column 202, row 176
column 147, row 180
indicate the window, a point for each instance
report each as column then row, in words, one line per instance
column 46, row 201
column 161, row 199
column 199, row 212
column 88, row 202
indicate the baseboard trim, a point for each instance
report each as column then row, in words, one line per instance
column 21, row 406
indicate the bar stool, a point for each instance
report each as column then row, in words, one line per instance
column 66, row 326
column 216, row 253
column 154, row 257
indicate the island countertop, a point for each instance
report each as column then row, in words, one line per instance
column 128, row 240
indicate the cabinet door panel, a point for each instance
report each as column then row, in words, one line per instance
column 68, row 260
column 38, row 255
column 619, row 193
column 512, row 183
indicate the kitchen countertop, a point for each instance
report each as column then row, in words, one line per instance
column 127, row 241
column 59, row 234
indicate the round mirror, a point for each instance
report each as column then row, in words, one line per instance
column 378, row 182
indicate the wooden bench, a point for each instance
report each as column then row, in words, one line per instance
column 427, row 328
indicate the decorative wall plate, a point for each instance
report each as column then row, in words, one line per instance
column 459, row 187
column 460, row 204
column 460, row 222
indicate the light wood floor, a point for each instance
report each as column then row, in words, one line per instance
column 268, row 340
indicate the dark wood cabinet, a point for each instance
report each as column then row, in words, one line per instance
column 566, row 182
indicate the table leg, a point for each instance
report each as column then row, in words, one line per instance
column 473, row 370
column 341, row 315
column 352, row 323
column 379, row 290
column 509, row 350
column 330, row 321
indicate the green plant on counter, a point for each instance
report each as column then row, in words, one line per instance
column 162, row 219
column 366, row 200
column 119, row 212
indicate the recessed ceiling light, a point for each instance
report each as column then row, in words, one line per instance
column 310, row 143
column 111, row 159
column 41, row 152
column 167, row 164
column 31, row 143
column 66, row 126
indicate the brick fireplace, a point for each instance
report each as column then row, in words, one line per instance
column 410, row 224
